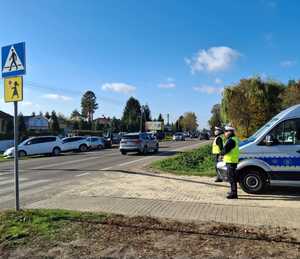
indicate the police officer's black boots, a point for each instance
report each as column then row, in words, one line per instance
column 233, row 192
column 232, row 196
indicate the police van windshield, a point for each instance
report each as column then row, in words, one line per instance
column 263, row 129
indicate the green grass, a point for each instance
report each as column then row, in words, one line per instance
column 23, row 226
column 197, row 162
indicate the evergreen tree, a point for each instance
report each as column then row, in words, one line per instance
column 88, row 105
column 21, row 126
column 47, row 115
column 54, row 123
column 131, row 115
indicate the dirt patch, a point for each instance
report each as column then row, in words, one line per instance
column 120, row 237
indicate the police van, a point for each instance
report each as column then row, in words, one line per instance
column 272, row 155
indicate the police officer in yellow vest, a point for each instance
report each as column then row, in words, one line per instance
column 230, row 153
column 216, row 150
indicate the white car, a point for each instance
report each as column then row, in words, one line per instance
column 75, row 144
column 179, row 136
column 96, row 142
column 37, row 146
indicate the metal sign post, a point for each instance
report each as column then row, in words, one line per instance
column 16, row 156
column 13, row 68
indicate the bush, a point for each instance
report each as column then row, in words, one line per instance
column 191, row 162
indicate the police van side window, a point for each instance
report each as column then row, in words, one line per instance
column 286, row 133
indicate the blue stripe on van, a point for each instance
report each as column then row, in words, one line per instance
column 278, row 161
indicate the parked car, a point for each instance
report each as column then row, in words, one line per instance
column 75, row 144
column 179, row 136
column 138, row 142
column 204, row 136
column 37, row 146
column 270, row 157
column 96, row 142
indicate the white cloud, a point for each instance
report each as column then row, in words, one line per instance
column 118, row 88
column 208, row 89
column 57, row 97
column 218, row 81
column 169, row 85
column 288, row 63
column 170, row 79
column 213, row 59
column 27, row 103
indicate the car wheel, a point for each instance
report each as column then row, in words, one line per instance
column 83, row 148
column 123, row 152
column 22, row 153
column 100, row 147
column 253, row 181
column 56, row 151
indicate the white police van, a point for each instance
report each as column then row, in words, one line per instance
column 272, row 155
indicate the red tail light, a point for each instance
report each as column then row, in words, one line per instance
column 137, row 141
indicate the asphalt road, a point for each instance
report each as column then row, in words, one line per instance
column 43, row 177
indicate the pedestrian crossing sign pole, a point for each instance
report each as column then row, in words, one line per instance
column 13, row 69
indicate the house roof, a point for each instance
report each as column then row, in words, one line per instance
column 5, row 115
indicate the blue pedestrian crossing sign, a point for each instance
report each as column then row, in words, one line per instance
column 13, row 60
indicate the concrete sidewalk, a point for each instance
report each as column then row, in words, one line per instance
column 180, row 210
column 176, row 197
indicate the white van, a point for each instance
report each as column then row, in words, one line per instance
column 272, row 155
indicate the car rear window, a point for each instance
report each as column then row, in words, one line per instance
column 131, row 136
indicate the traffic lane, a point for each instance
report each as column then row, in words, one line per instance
column 70, row 158
column 87, row 165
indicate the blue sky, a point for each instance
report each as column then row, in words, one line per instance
column 176, row 56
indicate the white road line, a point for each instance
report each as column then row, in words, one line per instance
column 22, row 186
column 64, row 163
column 11, row 197
column 12, row 181
column 151, row 157
column 79, row 175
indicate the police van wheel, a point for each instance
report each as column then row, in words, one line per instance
column 253, row 181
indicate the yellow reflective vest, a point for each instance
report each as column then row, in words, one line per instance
column 215, row 148
column 233, row 156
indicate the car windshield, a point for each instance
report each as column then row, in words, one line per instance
column 24, row 142
column 262, row 129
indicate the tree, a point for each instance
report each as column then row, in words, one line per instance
column 88, row 105
column 10, row 127
column 54, row 123
column 21, row 126
column 75, row 125
column 251, row 103
column 116, row 125
column 291, row 94
column 146, row 112
column 189, row 121
column 215, row 120
column 40, row 113
column 160, row 117
column 179, row 124
column 47, row 115
column 33, row 114
column 131, row 115
column 75, row 115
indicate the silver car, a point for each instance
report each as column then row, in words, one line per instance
column 96, row 142
column 142, row 143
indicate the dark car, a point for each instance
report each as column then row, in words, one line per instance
column 204, row 136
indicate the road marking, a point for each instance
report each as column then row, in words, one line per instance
column 22, row 186
column 24, row 193
column 12, row 181
column 79, row 175
column 151, row 157
column 65, row 163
